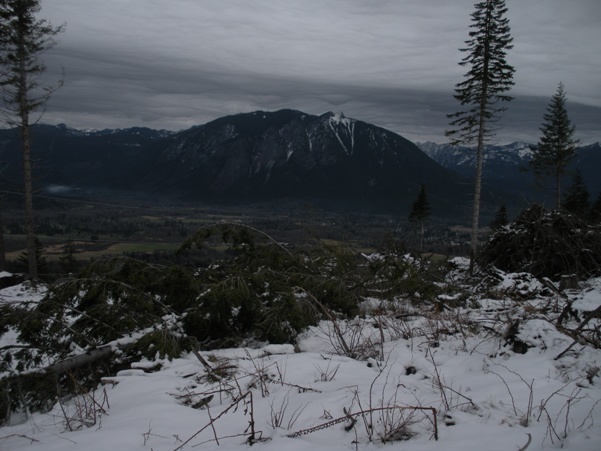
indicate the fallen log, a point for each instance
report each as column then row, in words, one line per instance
column 80, row 360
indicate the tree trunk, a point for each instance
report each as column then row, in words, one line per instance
column 476, row 207
column 24, row 108
column 80, row 360
column 558, row 189
column 29, row 222
column 480, row 154
column 30, row 385
column 478, row 181
column 421, row 238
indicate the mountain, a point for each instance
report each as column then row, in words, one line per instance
column 330, row 160
column 505, row 167
column 68, row 157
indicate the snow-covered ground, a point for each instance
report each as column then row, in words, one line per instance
column 445, row 381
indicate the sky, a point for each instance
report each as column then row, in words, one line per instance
column 173, row 64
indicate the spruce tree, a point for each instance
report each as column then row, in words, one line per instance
column 488, row 79
column 420, row 212
column 40, row 256
column 23, row 39
column 595, row 212
column 576, row 200
column 557, row 145
column 67, row 260
column 2, row 248
column 500, row 218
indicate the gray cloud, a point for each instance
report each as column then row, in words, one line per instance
column 177, row 63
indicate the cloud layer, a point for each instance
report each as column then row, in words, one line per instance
column 177, row 63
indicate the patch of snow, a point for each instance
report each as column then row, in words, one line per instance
column 590, row 298
column 132, row 372
column 340, row 119
column 22, row 293
column 278, row 349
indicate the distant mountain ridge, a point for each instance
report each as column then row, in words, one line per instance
column 505, row 167
column 288, row 153
column 328, row 160
column 335, row 161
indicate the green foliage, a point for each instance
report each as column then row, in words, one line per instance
column 489, row 76
column 257, row 295
column 22, row 263
column 420, row 211
column 393, row 275
column 110, row 299
column 23, row 39
column 37, row 391
column 67, row 260
column 576, row 200
column 254, row 294
column 160, row 343
column 5, row 407
column 500, row 218
column 482, row 91
column 557, row 146
column 595, row 213
column 546, row 244
column 260, row 291
column 263, row 292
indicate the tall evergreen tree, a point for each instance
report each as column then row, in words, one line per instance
column 420, row 212
column 67, row 260
column 595, row 212
column 488, row 79
column 557, row 145
column 2, row 248
column 500, row 218
column 576, row 200
column 41, row 260
column 23, row 39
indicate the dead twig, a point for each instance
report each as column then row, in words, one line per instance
column 349, row 415
column 251, row 435
column 523, row 448
column 575, row 334
column 32, row 440
column 339, row 335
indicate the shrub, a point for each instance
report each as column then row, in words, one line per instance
column 546, row 244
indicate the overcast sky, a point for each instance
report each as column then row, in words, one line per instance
column 173, row 64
